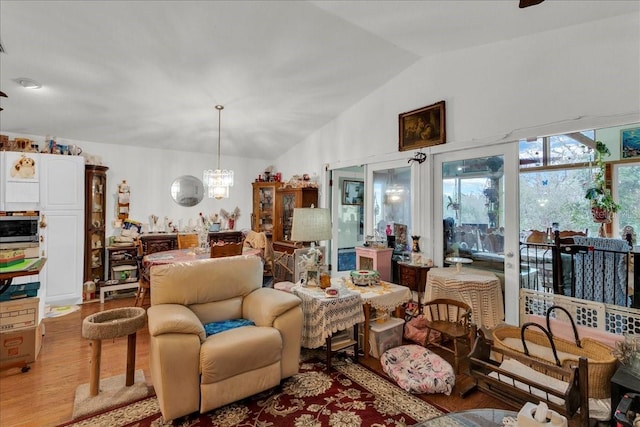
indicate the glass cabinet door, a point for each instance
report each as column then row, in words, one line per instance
column 288, row 204
column 267, row 198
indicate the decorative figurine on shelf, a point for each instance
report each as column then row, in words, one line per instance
column 153, row 223
column 230, row 217
column 124, row 197
column 416, row 244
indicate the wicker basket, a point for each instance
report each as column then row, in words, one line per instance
column 602, row 363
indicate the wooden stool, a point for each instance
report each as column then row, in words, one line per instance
column 110, row 324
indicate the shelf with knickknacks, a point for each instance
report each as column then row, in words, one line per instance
column 124, row 196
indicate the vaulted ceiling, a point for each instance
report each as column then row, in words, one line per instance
column 149, row 73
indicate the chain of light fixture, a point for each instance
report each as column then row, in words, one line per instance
column 218, row 181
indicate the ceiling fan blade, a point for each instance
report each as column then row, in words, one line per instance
column 3, row 94
column 527, row 3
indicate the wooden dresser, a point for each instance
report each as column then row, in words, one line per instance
column 159, row 242
column 414, row 277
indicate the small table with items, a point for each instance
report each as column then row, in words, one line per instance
column 383, row 297
column 481, row 290
column 324, row 316
column 473, row 418
column 372, row 258
column 414, row 276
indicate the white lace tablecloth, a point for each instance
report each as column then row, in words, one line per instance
column 324, row 316
column 481, row 290
column 384, row 297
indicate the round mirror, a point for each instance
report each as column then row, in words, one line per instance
column 187, row 190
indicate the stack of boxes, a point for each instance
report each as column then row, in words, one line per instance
column 20, row 333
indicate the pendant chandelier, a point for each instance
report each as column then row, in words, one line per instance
column 217, row 182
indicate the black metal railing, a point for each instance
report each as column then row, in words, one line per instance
column 588, row 272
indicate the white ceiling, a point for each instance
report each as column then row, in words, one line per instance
column 149, row 73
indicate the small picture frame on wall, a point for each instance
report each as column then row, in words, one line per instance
column 352, row 192
column 630, row 143
column 423, row 127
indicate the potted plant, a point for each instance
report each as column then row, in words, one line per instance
column 602, row 203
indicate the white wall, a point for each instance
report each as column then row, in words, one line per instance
column 150, row 172
column 576, row 78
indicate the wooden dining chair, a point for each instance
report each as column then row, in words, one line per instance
column 144, row 284
column 452, row 319
column 227, row 249
column 186, row 241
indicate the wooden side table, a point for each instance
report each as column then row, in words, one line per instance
column 414, row 277
column 324, row 316
column 378, row 259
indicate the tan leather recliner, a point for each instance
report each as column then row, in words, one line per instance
column 192, row 372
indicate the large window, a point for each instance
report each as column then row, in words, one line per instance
column 566, row 149
column 555, row 195
column 628, row 195
column 556, row 170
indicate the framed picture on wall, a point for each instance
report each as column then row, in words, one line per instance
column 630, row 143
column 352, row 192
column 423, row 127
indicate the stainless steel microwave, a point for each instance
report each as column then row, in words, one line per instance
column 18, row 227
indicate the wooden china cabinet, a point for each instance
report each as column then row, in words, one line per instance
column 287, row 199
column 94, row 222
column 264, row 206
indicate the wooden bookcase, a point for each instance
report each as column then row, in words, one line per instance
column 94, row 222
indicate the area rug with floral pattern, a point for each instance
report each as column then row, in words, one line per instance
column 347, row 396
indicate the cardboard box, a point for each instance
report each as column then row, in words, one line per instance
column 19, row 314
column 20, row 347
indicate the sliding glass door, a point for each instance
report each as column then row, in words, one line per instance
column 475, row 213
column 347, row 202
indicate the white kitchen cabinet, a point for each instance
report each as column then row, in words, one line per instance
column 61, row 182
column 63, row 245
column 59, row 197
column 62, row 204
column 19, row 185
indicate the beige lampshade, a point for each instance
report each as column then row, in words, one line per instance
column 311, row 225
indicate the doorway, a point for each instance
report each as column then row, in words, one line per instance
column 347, row 205
column 475, row 215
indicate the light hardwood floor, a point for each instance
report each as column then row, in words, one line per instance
column 44, row 395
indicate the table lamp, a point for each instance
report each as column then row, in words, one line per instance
column 311, row 225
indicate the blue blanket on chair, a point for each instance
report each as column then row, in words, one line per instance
column 225, row 325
